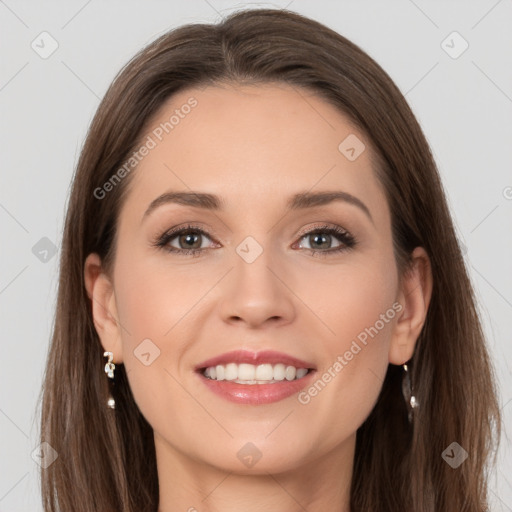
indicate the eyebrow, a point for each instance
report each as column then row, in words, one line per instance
column 299, row 201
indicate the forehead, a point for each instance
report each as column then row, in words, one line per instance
column 252, row 145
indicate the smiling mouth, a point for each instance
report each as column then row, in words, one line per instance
column 250, row 374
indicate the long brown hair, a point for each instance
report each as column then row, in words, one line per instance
column 106, row 459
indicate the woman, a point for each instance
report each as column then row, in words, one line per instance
column 262, row 301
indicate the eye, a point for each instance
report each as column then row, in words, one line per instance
column 189, row 240
column 323, row 236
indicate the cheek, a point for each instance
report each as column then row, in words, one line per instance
column 351, row 298
column 152, row 307
column 153, row 298
column 161, row 306
column 356, row 306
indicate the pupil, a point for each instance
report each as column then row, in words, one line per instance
column 315, row 237
column 189, row 237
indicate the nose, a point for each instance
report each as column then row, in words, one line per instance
column 257, row 293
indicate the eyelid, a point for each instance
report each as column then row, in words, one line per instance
column 175, row 231
column 324, row 225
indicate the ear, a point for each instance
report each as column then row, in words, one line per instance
column 104, row 311
column 414, row 296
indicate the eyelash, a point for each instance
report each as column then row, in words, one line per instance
column 348, row 240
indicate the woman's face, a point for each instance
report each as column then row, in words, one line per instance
column 255, row 284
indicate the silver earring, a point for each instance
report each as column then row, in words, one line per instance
column 410, row 400
column 109, row 370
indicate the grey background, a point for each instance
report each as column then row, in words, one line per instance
column 463, row 104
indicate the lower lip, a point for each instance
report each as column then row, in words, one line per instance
column 256, row 394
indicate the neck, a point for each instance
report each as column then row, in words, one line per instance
column 190, row 485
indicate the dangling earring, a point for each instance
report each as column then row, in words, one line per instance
column 109, row 370
column 410, row 399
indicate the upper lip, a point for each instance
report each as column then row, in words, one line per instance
column 255, row 358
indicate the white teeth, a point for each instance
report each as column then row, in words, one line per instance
column 264, row 372
column 291, row 372
column 279, row 372
column 231, row 371
column 220, row 372
column 301, row 372
column 250, row 374
column 246, row 372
